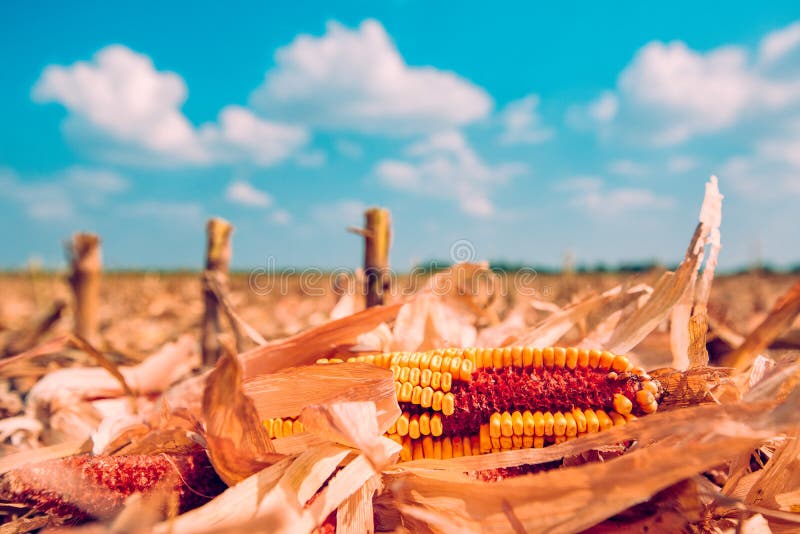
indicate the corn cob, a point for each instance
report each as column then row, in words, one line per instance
column 462, row 402
column 80, row 488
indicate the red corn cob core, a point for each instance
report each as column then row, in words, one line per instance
column 544, row 389
column 80, row 488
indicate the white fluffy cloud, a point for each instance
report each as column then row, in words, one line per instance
column 522, row 123
column 670, row 93
column 243, row 192
column 779, row 44
column 445, row 165
column 60, row 196
column 120, row 96
column 356, row 79
column 241, row 136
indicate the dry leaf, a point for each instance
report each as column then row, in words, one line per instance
column 287, row 392
column 315, row 343
column 238, row 444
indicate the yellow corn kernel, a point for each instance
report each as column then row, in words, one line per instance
column 446, row 364
column 287, row 427
column 572, row 426
column 559, row 424
column 425, row 377
column 617, row 419
column 485, row 438
column 528, row 424
column 516, row 441
column 592, row 423
column 506, row 424
column 604, row 420
column 455, row 366
column 413, row 360
column 495, row 425
column 646, row 401
column 629, row 417
column 560, row 439
column 548, row 424
column 538, row 360
column 425, row 361
column 405, row 392
column 527, row 356
column 427, row 447
column 447, row 382
column 479, row 358
column 465, row 373
column 448, row 404
column 402, row 424
column 417, row 452
column 404, row 357
column 583, row 358
column 649, row 385
column 474, row 444
column 426, row 398
column 622, row 404
column 277, row 428
column 416, row 395
column 580, row 419
column 606, row 359
column 436, row 363
column 468, row 448
column 527, row 441
column 425, row 424
column 413, row 376
column 538, row 442
column 397, row 386
column 516, row 356
column 436, row 403
column 447, row 449
column 548, row 357
column 392, row 429
column 322, row 361
column 395, row 372
column 538, row 421
column 436, row 425
column 594, row 358
column 413, row 427
column 572, row 358
column 507, row 361
column 620, row 364
column 506, row 444
column 405, row 372
column 469, row 354
column 297, row 428
column 560, row 357
column 517, row 423
column 436, row 380
column 406, row 453
column 437, row 449
column 497, row 359
column 457, row 448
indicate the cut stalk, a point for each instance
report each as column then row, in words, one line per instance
column 218, row 256
column 84, row 279
column 377, row 240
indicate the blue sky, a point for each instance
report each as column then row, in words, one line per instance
column 531, row 131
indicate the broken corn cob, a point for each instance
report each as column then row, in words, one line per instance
column 461, row 402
